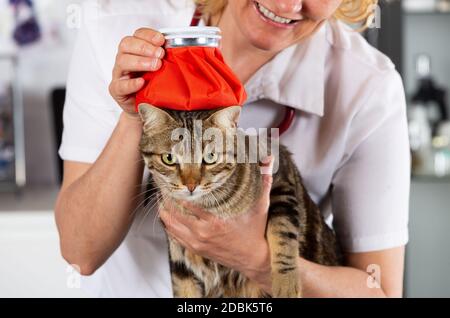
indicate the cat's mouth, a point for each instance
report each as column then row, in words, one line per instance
column 187, row 195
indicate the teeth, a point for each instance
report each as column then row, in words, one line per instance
column 272, row 16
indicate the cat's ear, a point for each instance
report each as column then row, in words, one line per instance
column 227, row 117
column 153, row 117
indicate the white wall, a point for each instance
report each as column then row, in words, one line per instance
column 428, row 255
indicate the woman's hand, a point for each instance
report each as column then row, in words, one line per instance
column 139, row 53
column 238, row 243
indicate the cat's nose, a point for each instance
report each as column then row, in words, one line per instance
column 191, row 187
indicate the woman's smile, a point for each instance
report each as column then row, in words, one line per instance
column 273, row 25
column 274, row 19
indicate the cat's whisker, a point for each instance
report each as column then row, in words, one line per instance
column 147, row 210
column 162, row 201
column 211, row 194
column 144, row 193
column 149, row 199
column 139, row 160
column 136, row 209
column 145, row 199
column 219, row 201
column 165, row 200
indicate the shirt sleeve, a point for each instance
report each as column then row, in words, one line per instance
column 370, row 189
column 90, row 114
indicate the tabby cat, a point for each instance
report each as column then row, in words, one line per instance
column 295, row 225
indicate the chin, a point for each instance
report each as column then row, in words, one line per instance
column 266, row 39
column 265, row 44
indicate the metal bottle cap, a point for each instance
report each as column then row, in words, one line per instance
column 192, row 36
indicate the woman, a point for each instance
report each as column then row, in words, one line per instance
column 349, row 141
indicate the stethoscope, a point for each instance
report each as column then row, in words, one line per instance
column 289, row 114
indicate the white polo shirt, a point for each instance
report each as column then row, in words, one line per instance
column 349, row 138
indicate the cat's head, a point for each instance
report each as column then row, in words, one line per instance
column 182, row 166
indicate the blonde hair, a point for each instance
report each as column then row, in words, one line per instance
column 355, row 12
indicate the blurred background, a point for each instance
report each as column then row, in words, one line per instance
column 36, row 39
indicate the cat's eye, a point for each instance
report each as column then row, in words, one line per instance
column 210, row 158
column 168, row 159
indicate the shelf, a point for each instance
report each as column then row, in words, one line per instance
column 33, row 199
column 17, row 179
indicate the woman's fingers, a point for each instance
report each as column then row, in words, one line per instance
column 175, row 230
column 198, row 212
column 139, row 53
column 136, row 46
column 192, row 221
column 267, row 179
column 185, row 230
column 127, row 63
column 126, row 86
column 267, row 174
column 266, row 165
column 267, row 187
column 177, row 223
column 154, row 37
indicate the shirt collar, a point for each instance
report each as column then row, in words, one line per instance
column 296, row 76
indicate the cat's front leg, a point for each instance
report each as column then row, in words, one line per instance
column 282, row 236
column 184, row 282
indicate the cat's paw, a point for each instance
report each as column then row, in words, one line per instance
column 286, row 286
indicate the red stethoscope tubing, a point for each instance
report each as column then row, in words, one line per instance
column 196, row 17
column 289, row 114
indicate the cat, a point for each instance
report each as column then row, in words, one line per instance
column 295, row 225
